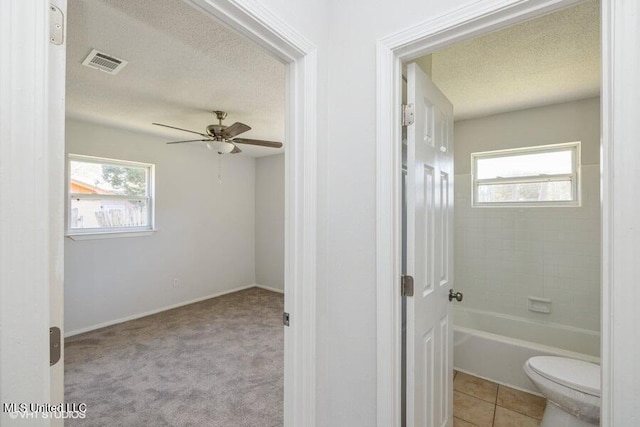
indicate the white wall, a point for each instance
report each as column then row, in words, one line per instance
column 347, row 280
column 205, row 237
column 270, row 221
column 345, row 34
column 504, row 255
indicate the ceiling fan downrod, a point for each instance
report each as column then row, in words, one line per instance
column 221, row 115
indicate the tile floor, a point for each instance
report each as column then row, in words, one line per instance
column 482, row 403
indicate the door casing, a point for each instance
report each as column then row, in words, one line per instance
column 464, row 23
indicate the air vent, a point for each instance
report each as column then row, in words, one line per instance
column 103, row 62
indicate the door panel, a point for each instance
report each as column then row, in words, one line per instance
column 429, row 250
column 429, row 381
column 444, row 228
column 429, row 230
column 445, row 385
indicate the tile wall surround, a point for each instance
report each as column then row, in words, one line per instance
column 504, row 255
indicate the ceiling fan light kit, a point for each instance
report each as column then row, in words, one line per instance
column 221, row 138
column 220, row 146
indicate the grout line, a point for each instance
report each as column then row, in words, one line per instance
column 515, row 410
column 476, row 397
column 469, row 422
column 495, row 404
column 495, row 409
column 518, row 412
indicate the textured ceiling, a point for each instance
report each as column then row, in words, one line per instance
column 552, row 59
column 181, row 66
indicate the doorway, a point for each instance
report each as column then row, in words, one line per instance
column 156, row 186
column 47, row 87
column 393, row 51
column 527, row 250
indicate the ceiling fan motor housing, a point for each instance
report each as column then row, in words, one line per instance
column 215, row 130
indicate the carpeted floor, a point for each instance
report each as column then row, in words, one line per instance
column 214, row 363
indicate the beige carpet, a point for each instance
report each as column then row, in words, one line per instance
column 214, row 363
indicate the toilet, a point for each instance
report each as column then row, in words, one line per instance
column 571, row 387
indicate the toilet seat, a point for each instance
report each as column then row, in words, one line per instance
column 574, row 374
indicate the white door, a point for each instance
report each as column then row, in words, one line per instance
column 429, row 254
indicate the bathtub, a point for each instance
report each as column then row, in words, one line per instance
column 495, row 346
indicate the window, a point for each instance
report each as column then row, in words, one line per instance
column 534, row 176
column 109, row 196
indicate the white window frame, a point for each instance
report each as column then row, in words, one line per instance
column 110, row 232
column 574, row 177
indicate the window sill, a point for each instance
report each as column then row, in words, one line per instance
column 110, row 235
column 572, row 204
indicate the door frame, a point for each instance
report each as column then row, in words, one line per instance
column 260, row 25
column 620, row 374
column 31, row 247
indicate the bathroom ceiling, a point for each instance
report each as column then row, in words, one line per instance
column 549, row 60
column 181, row 65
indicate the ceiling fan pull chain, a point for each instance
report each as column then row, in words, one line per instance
column 219, row 168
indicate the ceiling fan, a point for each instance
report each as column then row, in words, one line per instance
column 222, row 138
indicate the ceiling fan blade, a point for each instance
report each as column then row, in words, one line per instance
column 188, row 140
column 185, row 130
column 272, row 144
column 235, row 129
column 235, row 150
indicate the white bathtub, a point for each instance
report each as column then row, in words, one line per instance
column 495, row 346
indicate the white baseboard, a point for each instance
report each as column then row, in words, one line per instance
column 268, row 288
column 158, row 310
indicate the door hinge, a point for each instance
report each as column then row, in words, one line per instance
column 56, row 25
column 407, row 114
column 406, row 286
column 54, row 345
column 285, row 318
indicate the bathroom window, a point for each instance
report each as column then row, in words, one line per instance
column 533, row 176
column 109, row 197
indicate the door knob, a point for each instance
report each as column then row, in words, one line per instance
column 455, row 295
